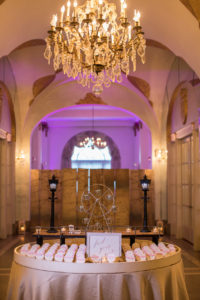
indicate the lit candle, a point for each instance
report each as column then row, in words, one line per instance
column 54, row 21
column 136, row 17
column 114, row 183
column 104, row 259
column 68, row 8
column 125, row 7
column 62, row 13
column 122, row 8
column 63, row 230
column 75, row 6
column 105, row 28
column 100, row 6
column 92, row 3
column 90, row 29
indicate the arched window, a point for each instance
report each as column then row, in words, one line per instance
column 91, row 158
column 74, row 156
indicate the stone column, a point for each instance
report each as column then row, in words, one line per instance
column 7, row 188
column 196, row 191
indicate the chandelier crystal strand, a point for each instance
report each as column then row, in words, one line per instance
column 92, row 44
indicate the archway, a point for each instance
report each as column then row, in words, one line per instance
column 69, row 147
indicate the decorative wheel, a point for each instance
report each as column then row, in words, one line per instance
column 98, row 203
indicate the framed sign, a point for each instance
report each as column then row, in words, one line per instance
column 102, row 244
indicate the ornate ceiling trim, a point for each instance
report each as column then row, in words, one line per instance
column 142, row 86
column 40, row 84
column 194, row 7
column 31, row 43
column 153, row 43
column 90, row 98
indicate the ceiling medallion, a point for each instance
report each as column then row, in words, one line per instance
column 93, row 44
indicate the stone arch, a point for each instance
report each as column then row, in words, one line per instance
column 68, row 148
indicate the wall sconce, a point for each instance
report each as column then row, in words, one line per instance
column 22, row 227
column 161, row 154
column 20, row 156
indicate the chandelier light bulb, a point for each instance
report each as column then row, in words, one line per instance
column 136, row 17
column 93, row 45
column 62, row 13
column 68, row 8
column 54, row 20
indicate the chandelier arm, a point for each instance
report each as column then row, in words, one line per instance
column 79, row 34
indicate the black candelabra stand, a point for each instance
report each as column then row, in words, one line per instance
column 52, row 185
column 145, row 182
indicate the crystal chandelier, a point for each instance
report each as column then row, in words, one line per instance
column 93, row 142
column 90, row 141
column 92, row 44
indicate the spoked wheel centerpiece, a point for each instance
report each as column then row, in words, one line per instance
column 98, row 203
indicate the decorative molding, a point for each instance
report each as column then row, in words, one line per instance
column 153, row 43
column 184, row 104
column 90, row 98
column 3, row 134
column 141, row 85
column 40, row 84
column 44, row 127
column 31, row 43
column 183, row 132
column 195, row 81
column 137, row 126
column 194, row 7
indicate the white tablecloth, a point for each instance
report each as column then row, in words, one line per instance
column 164, row 282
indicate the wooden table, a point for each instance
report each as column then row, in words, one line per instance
column 133, row 234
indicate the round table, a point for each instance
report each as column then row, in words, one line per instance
column 32, row 279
